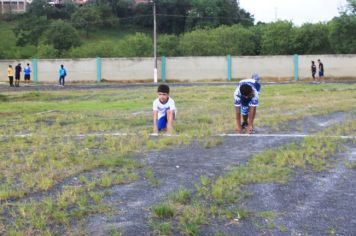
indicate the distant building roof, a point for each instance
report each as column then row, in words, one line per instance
column 141, row 1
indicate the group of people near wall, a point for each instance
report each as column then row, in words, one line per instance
column 18, row 70
column 321, row 71
column 27, row 75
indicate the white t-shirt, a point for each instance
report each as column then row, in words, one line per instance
column 163, row 108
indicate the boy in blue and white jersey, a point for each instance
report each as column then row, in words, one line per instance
column 246, row 98
column 164, row 110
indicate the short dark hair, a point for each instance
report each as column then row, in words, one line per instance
column 163, row 88
column 246, row 90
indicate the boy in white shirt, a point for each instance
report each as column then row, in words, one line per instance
column 164, row 110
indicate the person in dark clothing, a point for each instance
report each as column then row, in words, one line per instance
column 313, row 70
column 18, row 70
column 321, row 70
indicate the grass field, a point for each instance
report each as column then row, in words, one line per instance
column 54, row 154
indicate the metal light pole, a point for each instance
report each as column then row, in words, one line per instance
column 155, row 73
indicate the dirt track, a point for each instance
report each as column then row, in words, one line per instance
column 310, row 204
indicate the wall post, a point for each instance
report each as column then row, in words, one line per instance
column 163, row 70
column 296, row 66
column 98, row 69
column 35, row 72
column 229, row 67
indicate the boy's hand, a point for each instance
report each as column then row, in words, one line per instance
column 238, row 129
column 155, row 130
column 250, row 129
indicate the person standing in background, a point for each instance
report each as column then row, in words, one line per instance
column 18, row 70
column 62, row 74
column 321, row 70
column 27, row 74
column 10, row 74
column 313, row 70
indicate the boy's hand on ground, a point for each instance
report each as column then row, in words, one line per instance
column 250, row 129
column 238, row 129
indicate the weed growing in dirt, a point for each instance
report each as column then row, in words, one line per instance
column 163, row 211
column 181, row 196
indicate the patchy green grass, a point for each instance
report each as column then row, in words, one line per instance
column 220, row 197
column 71, row 173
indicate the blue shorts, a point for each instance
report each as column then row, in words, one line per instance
column 162, row 122
column 321, row 73
column 244, row 110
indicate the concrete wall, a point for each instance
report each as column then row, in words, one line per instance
column 133, row 69
column 77, row 70
column 196, row 68
column 336, row 66
column 187, row 68
column 266, row 66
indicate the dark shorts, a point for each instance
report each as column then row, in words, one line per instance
column 27, row 77
column 17, row 77
column 321, row 73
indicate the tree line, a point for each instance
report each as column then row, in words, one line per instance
column 186, row 28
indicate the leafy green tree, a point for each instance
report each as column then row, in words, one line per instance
column 30, row 29
column 63, row 12
column 87, row 18
column 62, row 36
column 125, row 8
column 46, row 51
column 167, row 45
column 212, row 13
column 351, row 6
column 312, row 39
column 234, row 40
column 39, row 8
column 171, row 15
column 197, row 43
column 342, row 34
column 137, row 45
column 277, row 38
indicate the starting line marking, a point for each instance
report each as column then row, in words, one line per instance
column 177, row 135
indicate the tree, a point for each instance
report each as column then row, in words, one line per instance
column 277, row 38
column 171, row 15
column 167, row 45
column 63, row 11
column 39, row 8
column 30, row 29
column 234, row 40
column 213, row 13
column 342, row 30
column 312, row 39
column 351, row 6
column 86, row 18
column 62, row 36
column 138, row 45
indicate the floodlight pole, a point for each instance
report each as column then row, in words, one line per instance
column 155, row 73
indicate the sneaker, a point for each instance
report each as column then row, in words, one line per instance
column 244, row 125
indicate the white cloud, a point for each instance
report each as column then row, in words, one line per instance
column 297, row 11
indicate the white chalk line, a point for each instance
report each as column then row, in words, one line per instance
column 178, row 135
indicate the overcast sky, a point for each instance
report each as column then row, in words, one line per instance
column 297, row 11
